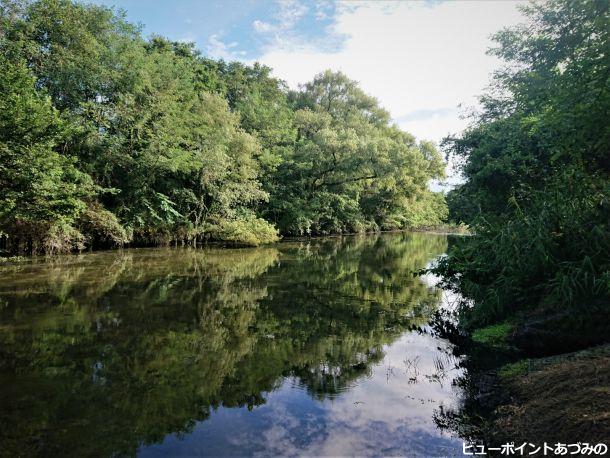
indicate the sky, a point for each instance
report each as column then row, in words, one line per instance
column 424, row 60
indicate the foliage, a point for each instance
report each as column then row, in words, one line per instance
column 536, row 161
column 511, row 370
column 102, row 226
column 494, row 335
column 139, row 141
column 43, row 192
column 553, row 246
column 350, row 170
column 250, row 231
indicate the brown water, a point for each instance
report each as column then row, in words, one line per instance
column 295, row 349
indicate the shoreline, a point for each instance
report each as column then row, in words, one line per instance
column 559, row 398
column 440, row 230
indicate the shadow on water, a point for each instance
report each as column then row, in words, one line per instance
column 302, row 347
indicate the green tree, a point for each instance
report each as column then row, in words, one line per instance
column 42, row 193
column 170, row 159
column 176, row 147
column 350, row 170
column 183, row 164
column 537, row 168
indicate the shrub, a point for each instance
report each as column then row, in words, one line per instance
column 553, row 244
column 249, row 231
column 102, row 227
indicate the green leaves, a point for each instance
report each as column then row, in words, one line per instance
column 351, row 171
column 537, row 169
column 42, row 191
column 123, row 139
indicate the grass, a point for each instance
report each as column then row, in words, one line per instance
column 495, row 335
column 514, row 369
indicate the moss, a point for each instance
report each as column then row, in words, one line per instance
column 495, row 336
column 514, row 369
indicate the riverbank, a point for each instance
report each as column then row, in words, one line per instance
column 461, row 229
column 557, row 399
column 560, row 398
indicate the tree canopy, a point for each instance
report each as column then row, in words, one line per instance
column 108, row 138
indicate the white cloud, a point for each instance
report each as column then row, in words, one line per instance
column 420, row 60
column 289, row 13
column 280, row 33
column 262, row 27
column 218, row 49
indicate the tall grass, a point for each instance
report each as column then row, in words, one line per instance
column 551, row 249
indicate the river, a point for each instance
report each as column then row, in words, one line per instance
column 300, row 348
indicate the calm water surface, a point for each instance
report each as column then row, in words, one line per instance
column 296, row 349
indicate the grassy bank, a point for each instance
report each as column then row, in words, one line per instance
column 558, row 399
column 512, row 396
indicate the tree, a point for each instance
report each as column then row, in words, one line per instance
column 537, row 168
column 177, row 147
column 350, row 169
column 42, row 193
column 170, row 160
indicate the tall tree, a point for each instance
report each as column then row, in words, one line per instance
column 537, row 167
column 350, row 169
column 42, row 193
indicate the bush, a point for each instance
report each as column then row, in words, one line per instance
column 63, row 238
column 249, row 231
column 102, row 227
column 552, row 245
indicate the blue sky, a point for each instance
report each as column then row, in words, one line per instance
column 246, row 28
column 425, row 61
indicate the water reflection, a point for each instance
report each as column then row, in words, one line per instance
column 302, row 348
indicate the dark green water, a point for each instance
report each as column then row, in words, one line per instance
column 299, row 348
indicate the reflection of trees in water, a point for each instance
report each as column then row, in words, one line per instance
column 347, row 298
column 109, row 350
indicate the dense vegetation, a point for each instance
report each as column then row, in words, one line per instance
column 537, row 166
column 107, row 138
